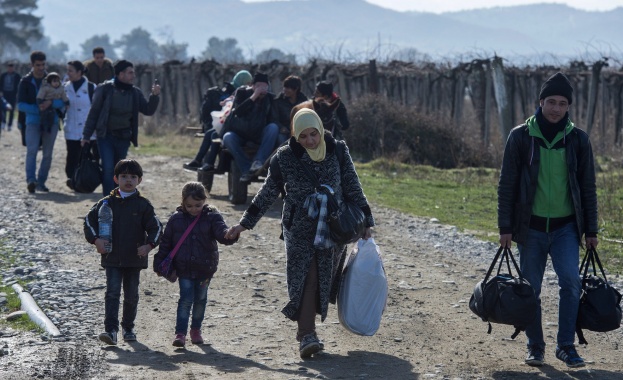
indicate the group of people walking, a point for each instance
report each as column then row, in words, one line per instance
column 101, row 115
column 193, row 232
column 547, row 201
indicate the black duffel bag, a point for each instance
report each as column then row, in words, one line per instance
column 600, row 303
column 504, row 298
column 88, row 174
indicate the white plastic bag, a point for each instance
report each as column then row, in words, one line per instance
column 218, row 117
column 363, row 291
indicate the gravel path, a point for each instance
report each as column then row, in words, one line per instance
column 427, row 331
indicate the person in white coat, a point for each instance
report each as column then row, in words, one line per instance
column 80, row 92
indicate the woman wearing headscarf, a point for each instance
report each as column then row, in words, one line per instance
column 313, row 261
column 79, row 92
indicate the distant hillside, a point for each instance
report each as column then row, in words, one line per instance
column 558, row 29
column 343, row 29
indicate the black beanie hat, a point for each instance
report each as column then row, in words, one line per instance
column 260, row 77
column 557, row 84
column 325, row 88
column 122, row 65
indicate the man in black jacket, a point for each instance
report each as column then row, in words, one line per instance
column 288, row 98
column 547, row 200
column 9, row 81
column 114, row 118
column 252, row 122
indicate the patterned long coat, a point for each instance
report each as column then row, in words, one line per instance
column 286, row 175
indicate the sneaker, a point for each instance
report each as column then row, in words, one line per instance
column 570, row 356
column 320, row 343
column 129, row 335
column 42, row 188
column 536, row 356
column 309, row 345
column 195, row 336
column 180, row 340
column 32, row 186
column 192, row 165
column 109, row 337
column 246, row 177
column 255, row 166
column 207, row 168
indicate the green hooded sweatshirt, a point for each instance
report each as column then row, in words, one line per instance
column 553, row 196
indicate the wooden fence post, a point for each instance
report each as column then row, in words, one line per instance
column 501, row 97
column 373, row 84
column 593, row 94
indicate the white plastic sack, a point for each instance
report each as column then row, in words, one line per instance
column 218, row 117
column 363, row 291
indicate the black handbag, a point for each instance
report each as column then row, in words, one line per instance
column 504, row 298
column 346, row 221
column 88, row 174
column 600, row 303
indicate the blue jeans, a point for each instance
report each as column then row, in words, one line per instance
column 563, row 247
column 112, row 150
column 192, row 294
column 235, row 144
column 115, row 277
column 34, row 137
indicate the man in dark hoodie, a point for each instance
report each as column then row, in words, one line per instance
column 547, row 199
column 114, row 118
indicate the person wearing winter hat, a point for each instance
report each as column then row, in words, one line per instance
column 313, row 258
column 335, row 121
column 242, row 78
column 253, row 120
column 215, row 99
column 114, row 118
column 555, row 210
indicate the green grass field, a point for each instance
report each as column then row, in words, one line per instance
column 467, row 199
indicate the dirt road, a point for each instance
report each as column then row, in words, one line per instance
column 427, row 332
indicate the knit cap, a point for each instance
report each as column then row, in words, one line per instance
column 557, row 84
column 325, row 88
column 260, row 77
column 122, row 65
column 241, row 78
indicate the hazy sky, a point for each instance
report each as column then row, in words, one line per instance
column 438, row 6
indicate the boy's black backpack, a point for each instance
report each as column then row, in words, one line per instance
column 212, row 102
column 600, row 303
column 504, row 298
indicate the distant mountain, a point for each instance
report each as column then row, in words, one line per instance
column 343, row 29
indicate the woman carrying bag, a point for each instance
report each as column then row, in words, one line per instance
column 313, row 260
column 79, row 92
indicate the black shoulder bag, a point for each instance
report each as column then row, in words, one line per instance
column 504, row 298
column 600, row 303
column 347, row 221
column 88, row 174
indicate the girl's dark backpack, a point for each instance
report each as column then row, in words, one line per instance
column 504, row 298
column 600, row 303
